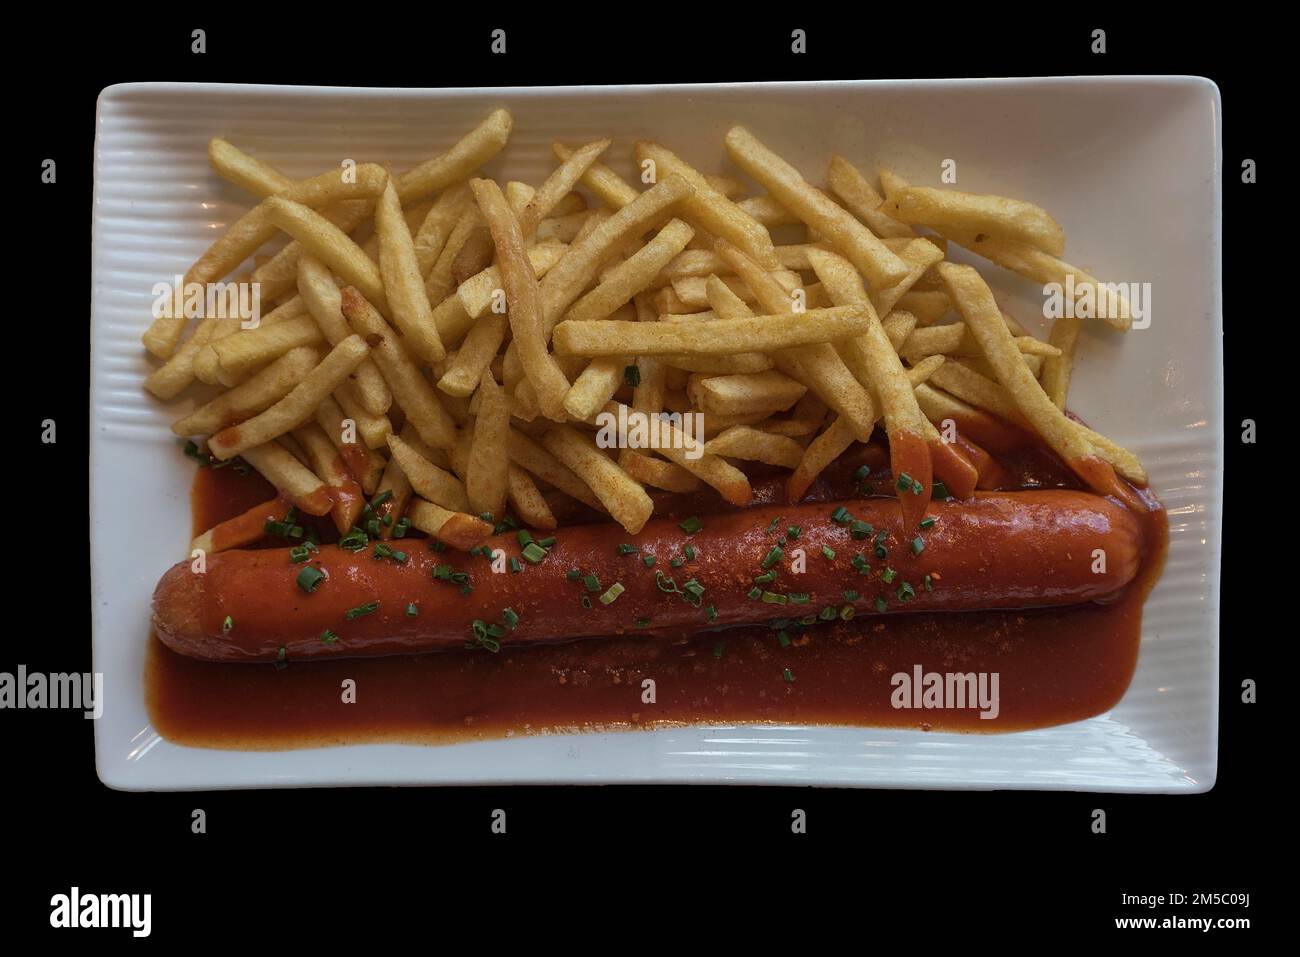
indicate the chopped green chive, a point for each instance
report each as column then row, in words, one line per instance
column 841, row 516
column 772, row 557
column 611, row 593
column 888, row 576
column 711, row 613
column 573, row 574
column 828, row 613
column 626, row 548
column 755, row 592
column 689, row 552
column 691, row 525
column 523, row 536
column 546, row 542
column 360, row 611
column 783, row 638
column 299, row 554
column 851, row 595
column 515, row 564
column 905, row 592
column 586, row 601
column 677, row 562
column 799, row 598
column 510, row 616
column 793, row 532
column 828, row 552
column 632, row 375
column 328, row 637
column 927, row 583
column 860, row 529
column 861, row 473
column 940, row 491
column 918, row 546
column 765, row 578
column 927, row 522
column 412, row 610
column 310, row 578
column 773, row 598
column 227, row 625
column 592, row 583
column 881, row 604
column 847, row 612
column 534, row 552
column 648, row 561
column 788, row 675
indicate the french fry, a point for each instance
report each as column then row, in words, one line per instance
column 321, row 296
column 626, row 501
column 429, row 480
column 476, row 294
column 434, row 230
column 768, row 211
column 248, row 233
column 487, row 474
column 530, row 455
column 1058, row 368
column 709, row 209
column 361, row 459
column 861, row 199
column 463, row 372
column 956, row 340
column 244, row 350
column 881, row 267
column 373, row 429
column 596, row 386
column 928, row 307
column 296, row 407
column 456, row 529
column 527, row 500
column 610, row 188
column 473, row 150
column 525, row 300
column 975, row 302
column 247, row 172
column 399, row 270
column 657, row 472
column 686, row 450
column 721, row 337
column 770, row 391
column 243, row 529
column 818, row 366
column 411, row 390
column 258, row 393
column 995, row 216
column 739, row 364
column 875, row 361
column 343, row 487
column 746, row 442
column 829, row 445
column 559, row 184
column 633, row 275
column 441, row 281
column 331, row 245
column 292, row 480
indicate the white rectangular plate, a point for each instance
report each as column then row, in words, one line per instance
column 1130, row 166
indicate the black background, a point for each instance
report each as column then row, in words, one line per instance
column 659, row 861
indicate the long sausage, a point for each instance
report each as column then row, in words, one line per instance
column 999, row 550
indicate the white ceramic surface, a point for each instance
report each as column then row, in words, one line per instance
column 1130, row 166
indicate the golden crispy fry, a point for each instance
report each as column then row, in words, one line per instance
column 975, row 302
column 260, row 392
column 533, row 457
column 994, row 216
column 487, row 473
column 321, row 296
column 610, row 188
column 430, row 481
column 559, row 184
column 596, row 386
column 245, row 350
column 770, row 391
column 525, row 300
column 456, row 529
column 296, row 407
column 403, row 284
column 473, row 150
column 246, row 172
column 331, row 245
column 861, row 199
column 343, row 487
column 292, row 480
column 411, row 389
column 626, row 501
column 1057, row 369
column 746, row 442
column 709, row 209
column 527, row 500
column 881, row 267
column 360, row 458
column 633, row 275
column 721, row 337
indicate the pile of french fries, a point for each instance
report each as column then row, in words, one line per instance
column 445, row 345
